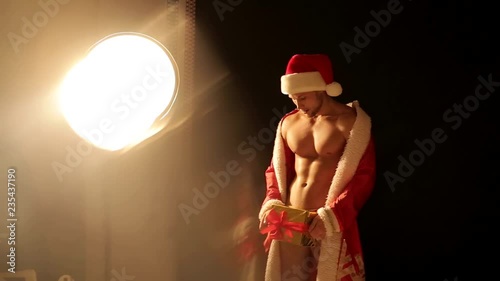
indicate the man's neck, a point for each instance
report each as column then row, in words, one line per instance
column 328, row 108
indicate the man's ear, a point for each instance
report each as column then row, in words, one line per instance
column 320, row 93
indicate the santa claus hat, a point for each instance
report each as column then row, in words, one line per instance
column 309, row 72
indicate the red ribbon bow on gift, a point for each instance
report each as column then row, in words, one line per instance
column 278, row 227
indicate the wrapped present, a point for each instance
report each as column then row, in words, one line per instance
column 290, row 225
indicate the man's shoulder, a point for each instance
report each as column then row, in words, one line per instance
column 289, row 114
column 288, row 119
column 346, row 119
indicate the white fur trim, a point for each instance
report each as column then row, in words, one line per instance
column 329, row 257
column 268, row 205
column 279, row 163
column 334, row 89
column 273, row 267
column 329, row 219
column 302, row 82
column 359, row 138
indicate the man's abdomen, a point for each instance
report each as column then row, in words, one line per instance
column 310, row 188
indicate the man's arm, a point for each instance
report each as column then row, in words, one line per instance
column 273, row 193
column 343, row 212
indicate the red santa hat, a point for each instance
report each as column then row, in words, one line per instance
column 309, row 72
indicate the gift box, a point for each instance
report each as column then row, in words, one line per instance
column 295, row 217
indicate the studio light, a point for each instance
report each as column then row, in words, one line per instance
column 113, row 97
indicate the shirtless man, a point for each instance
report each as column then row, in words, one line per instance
column 313, row 139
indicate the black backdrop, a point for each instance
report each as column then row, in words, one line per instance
column 430, row 220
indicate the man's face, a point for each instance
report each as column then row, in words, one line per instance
column 308, row 103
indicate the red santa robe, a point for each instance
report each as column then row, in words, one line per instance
column 341, row 256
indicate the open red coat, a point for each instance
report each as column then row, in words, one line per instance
column 341, row 256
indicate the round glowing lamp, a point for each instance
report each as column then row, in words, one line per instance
column 113, row 97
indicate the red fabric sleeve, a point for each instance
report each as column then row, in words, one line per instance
column 272, row 190
column 348, row 204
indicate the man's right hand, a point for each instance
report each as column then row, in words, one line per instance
column 263, row 222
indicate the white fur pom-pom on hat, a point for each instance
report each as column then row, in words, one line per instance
column 334, row 89
column 309, row 72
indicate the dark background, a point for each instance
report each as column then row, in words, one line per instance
column 437, row 223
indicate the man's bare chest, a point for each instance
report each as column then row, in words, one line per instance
column 315, row 139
